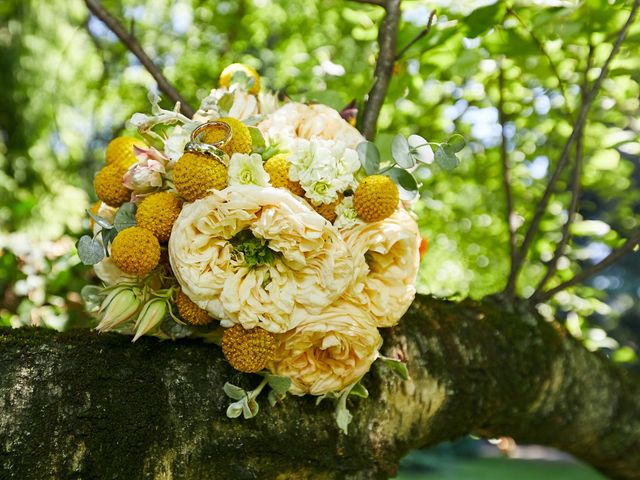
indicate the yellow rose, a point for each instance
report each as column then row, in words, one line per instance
column 328, row 351
column 387, row 257
column 297, row 120
column 254, row 256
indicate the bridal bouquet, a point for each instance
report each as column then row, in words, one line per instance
column 274, row 230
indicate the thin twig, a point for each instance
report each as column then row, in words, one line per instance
column 384, row 66
column 423, row 33
column 380, row 3
column 575, row 191
column 506, row 170
column 564, row 156
column 545, row 53
column 609, row 260
column 134, row 47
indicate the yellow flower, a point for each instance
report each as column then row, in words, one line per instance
column 253, row 255
column 327, row 351
column 120, row 151
column 248, row 351
column 240, row 141
column 109, row 187
column 190, row 312
column 226, row 77
column 376, row 198
column 387, row 258
column 135, row 251
column 157, row 212
column 195, row 175
column 278, row 169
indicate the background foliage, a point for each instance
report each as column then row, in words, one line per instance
column 67, row 86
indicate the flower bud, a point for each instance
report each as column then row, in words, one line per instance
column 119, row 306
column 150, row 317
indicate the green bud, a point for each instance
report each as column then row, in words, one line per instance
column 150, row 317
column 119, row 306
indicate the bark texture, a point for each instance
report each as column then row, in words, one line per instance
column 79, row 405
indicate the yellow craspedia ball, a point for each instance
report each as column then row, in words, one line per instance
column 278, row 169
column 240, row 141
column 120, row 151
column 135, row 251
column 328, row 210
column 157, row 212
column 226, row 77
column 376, row 198
column 190, row 312
column 109, row 187
column 195, row 174
column 248, row 351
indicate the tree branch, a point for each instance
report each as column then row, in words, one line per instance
column 83, row 405
column 506, row 173
column 387, row 37
column 609, row 260
column 425, row 31
column 543, row 51
column 575, row 193
column 379, row 3
column 579, row 124
column 134, row 47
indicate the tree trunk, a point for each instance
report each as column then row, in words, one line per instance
column 81, row 405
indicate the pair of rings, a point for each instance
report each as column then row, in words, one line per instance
column 196, row 145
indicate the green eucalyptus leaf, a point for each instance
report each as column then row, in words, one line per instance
column 235, row 409
column 446, row 157
column 250, row 408
column 108, row 236
column 403, row 178
column 233, row 391
column 125, row 217
column 398, row 367
column 456, row 143
column 90, row 250
column 257, row 140
column 92, row 296
column 369, row 157
column 400, row 151
column 359, row 390
column 278, row 383
column 103, row 222
column 343, row 415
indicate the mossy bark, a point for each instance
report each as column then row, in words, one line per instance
column 79, row 405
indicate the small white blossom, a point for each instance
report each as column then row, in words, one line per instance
column 147, row 174
column 346, row 214
column 247, row 170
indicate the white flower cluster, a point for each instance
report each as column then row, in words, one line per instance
column 324, row 168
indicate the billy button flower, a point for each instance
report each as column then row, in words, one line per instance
column 240, row 141
column 195, row 174
column 135, row 251
column 376, row 198
column 157, row 213
column 190, row 312
column 120, row 151
column 108, row 185
column 248, row 351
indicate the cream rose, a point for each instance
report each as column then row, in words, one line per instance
column 309, row 265
column 387, row 258
column 327, row 351
column 297, row 120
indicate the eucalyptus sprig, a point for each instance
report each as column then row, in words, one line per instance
column 245, row 401
column 90, row 249
column 406, row 154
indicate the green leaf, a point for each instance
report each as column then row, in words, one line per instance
column 446, row 157
column 278, row 383
column 342, row 414
column 275, row 397
column 359, row 390
column 90, row 250
column 403, row 178
column 91, row 296
column 235, row 409
column 400, row 151
column 456, row 143
column 257, row 140
column 250, row 408
column 108, row 236
column 103, row 222
column 369, row 157
column 226, row 101
column 125, row 217
column 482, row 19
column 398, row 367
column 234, row 392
